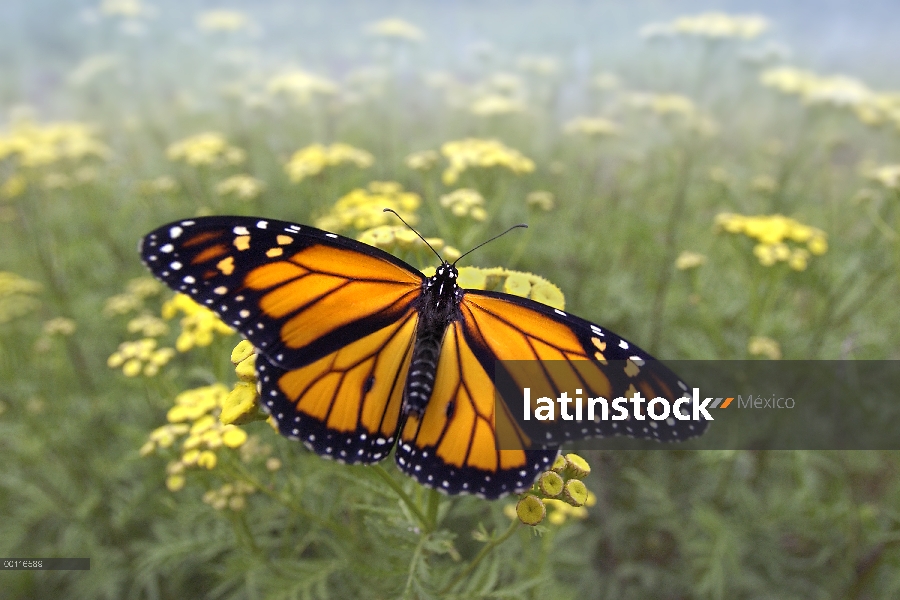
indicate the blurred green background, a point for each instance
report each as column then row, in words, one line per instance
column 712, row 180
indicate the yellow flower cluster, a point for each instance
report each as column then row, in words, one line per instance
column 422, row 161
column 713, row 25
column 540, row 199
column 473, row 152
column 364, row 208
column 490, row 105
column 132, row 299
column 663, row 104
column 232, row 496
column 887, row 175
column 465, row 202
column 148, row 326
column 13, row 187
column 300, row 85
column 194, row 417
column 313, row 159
column 518, row 283
column 242, row 403
column 397, row 29
column 677, row 105
column 561, row 488
column 39, row 145
column 205, row 149
column 244, row 187
column 141, row 356
column 392, row 238
column 16, row 296
column 870, row 107
column 122, row 8
column 592, row 126
column 222, row 20
column 689, row 260
column 164, row 184
column 199, row 324
column 773, row 232
column 764, row 346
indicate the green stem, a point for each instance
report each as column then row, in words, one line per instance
column 670, row 245
column 427, row 525
column 481, row 556
column 412, row 566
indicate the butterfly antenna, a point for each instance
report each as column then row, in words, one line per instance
column 391, row 210
column 490, row 240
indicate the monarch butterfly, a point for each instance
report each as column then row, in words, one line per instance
column 358, row 350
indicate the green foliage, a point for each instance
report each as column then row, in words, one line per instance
column 667, row 524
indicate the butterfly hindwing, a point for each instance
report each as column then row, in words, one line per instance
column 454, row 446
column 296, row 292
column 346, row 405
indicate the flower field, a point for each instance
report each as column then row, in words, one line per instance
column 709, row 195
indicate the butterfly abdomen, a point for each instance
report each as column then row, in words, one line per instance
column 438, row 307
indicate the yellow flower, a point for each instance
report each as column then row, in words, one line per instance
column 205, row 149
column 244, row 187
column 773, row 232
column 541, row 199
column 713, row 25
column 311, row 160
column 16, row 296
column 721, row 25
column 40, row 145
column 422, row 161
column 232, row 496
column 887, row 175
column 164, row 184
column 122, row 8
column 59, row 326
column 495, row 104
column 364, row 208
column 689, row 260
column 472, row 152
column 198, row 326
column 141, row 356
column 764, row 183
column 148, row 326
column 592, row 126
column 520, row 283
column 300, row 85
column 764, row 346
column 398, row 237
column 222, row 20
column 397, row 29
column 465, row 202
column 13, row 187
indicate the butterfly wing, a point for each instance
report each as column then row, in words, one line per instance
column 296, row 292
column 333, row 320
column 467, row 441
column 454, row 447
column 574, row 353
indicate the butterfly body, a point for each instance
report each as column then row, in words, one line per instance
column 359, row 352
column 438, row 307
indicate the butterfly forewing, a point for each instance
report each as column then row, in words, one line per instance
column 296, row 292
column 501, row 327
